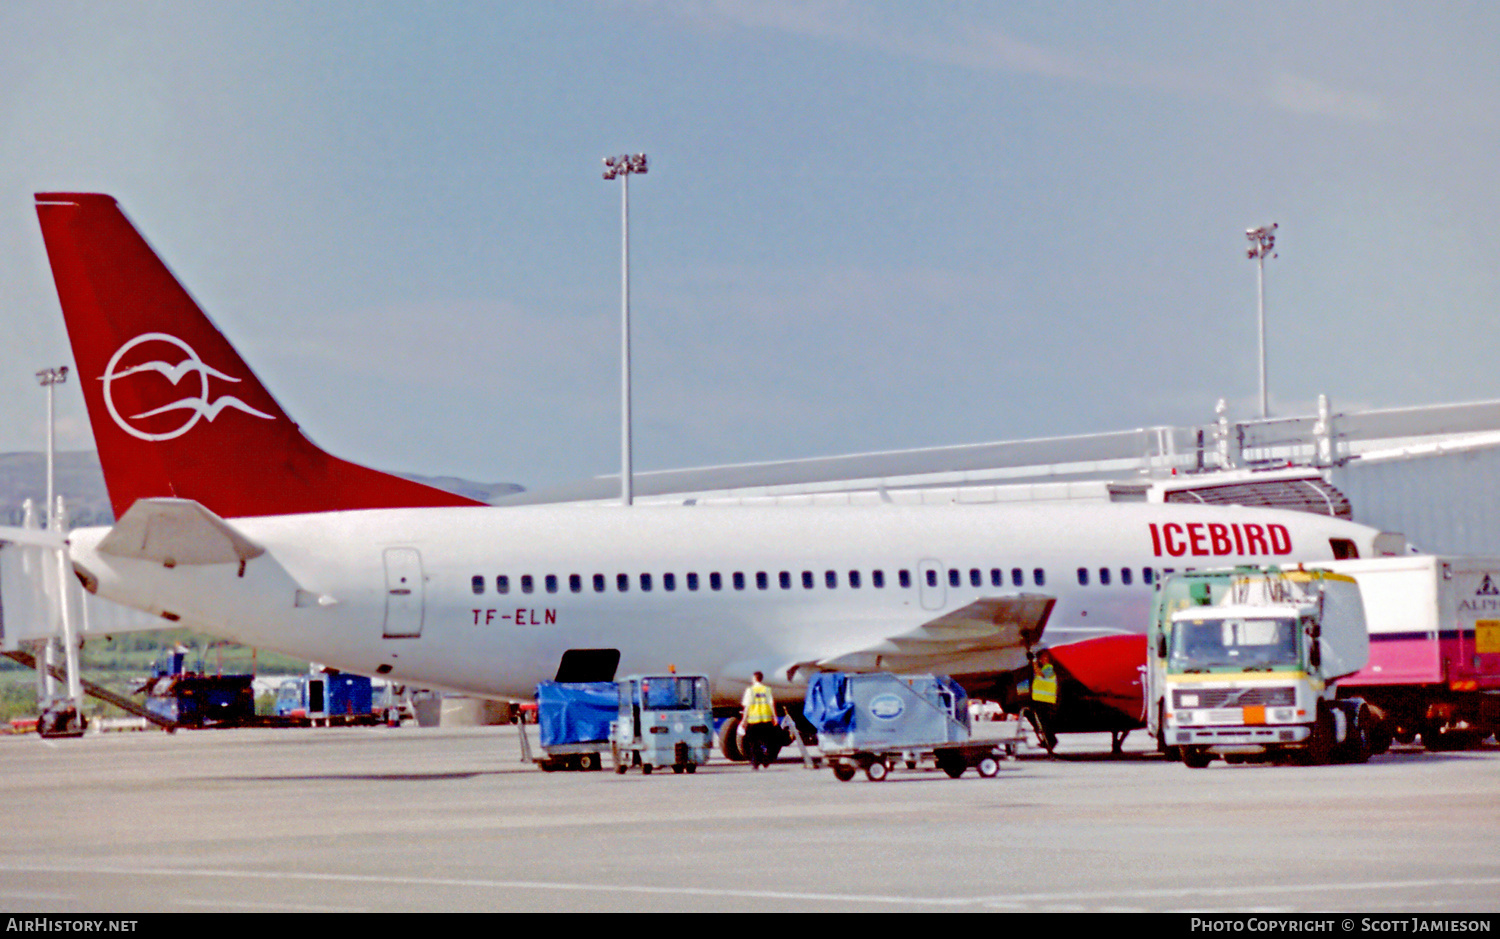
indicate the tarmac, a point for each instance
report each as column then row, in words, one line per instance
column 438, row 819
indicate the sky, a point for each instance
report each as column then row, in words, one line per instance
column 866, row 226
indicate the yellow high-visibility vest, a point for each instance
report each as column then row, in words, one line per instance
column 760, row 709
column 1044, row 684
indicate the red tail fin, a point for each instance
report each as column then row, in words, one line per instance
column 175, row 410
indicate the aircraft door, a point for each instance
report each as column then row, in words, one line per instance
column 403, row 593
column 930, row 584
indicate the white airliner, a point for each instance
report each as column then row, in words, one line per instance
column 233, row 522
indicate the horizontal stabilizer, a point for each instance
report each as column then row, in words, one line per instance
column 992, row 633
column 176, row 531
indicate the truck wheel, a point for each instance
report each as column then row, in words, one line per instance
column 1360, row 743
column 877, row 770
column 954, row 768
column 843, row 772
column 1196, row 758
column 1320, row 744
column 588, row 762
column 987, row 767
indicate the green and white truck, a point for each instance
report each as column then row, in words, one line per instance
column 1243, row 665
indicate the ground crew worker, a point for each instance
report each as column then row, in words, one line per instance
column 760, row 723
column 1044, row 698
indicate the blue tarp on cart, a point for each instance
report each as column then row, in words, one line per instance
column 576, row 712
column 881, row 711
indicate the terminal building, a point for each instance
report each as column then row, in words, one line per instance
column 1429, row 473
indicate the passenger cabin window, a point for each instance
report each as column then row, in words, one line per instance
column 598, row 583
column 831, row 578
column 1039, row 577
column 1017, row 577
column 1147, row 575
column 502, row 584
column 478, row 583
column 953, row 576
column 1083, row 577
column 692, row 580
column 645, row 582
column 1104, row 577
column 877, row 579
column 762, row 580
column 669, row 582
column 575, row 583
column 1125, row 576
column 785, row 580
column 739, row 580
column 807, row 580
column 715, row 582
column 854, row 579
column 551, row 583
column 622, row 582
column 904, row 578
column 931, row 577
column 527, row 585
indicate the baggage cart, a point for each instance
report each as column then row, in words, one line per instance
column 880, row 721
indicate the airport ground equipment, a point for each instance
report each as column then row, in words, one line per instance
column 876, row 722
column 575, row 720
column 193, row 700
column 1434, row 667
column 662, row 720
column 1243, row 664
column 327, row 698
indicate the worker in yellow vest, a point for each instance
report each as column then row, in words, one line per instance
column 759, row 722
column 1044, row 698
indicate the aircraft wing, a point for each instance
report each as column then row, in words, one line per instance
column 990, row 635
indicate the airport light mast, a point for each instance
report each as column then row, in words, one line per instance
column 49, row 377
column 1262, row 242
column 621, row 167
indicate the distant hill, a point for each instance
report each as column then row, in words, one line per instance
column 81, row 482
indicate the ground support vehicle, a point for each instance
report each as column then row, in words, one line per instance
column 575, row 720
column 328, row 698
column 876, row 722
column 662, row 720
column 1434, row 667
column 1243, row 664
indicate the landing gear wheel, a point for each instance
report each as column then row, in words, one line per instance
column 729, row 741
column 988, row 767
column 877, row 771
column 691, row 767
column 645, row 769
